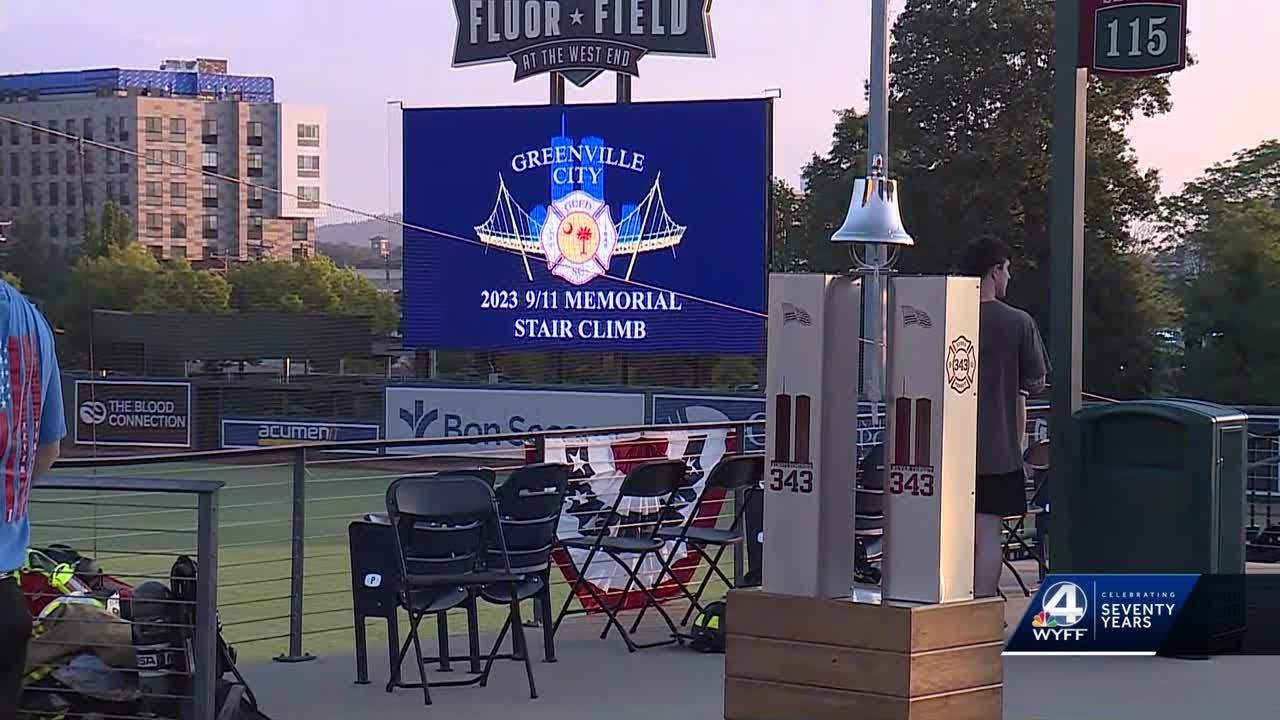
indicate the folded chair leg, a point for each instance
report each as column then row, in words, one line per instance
column 622, row 601
column 473, row 633
column 548, row 637
column 564, row 609
column 612, row 616
column 591, row 590
column 1018, row 576
column 422, row 666
column 669, row 569
column 633, row 576
column 493, row 653
column 652, row 599
column 695, row 603
column 573, row 591
column 395, row 659
column 442, row 633
column 518, row 640
column 518, row 650
column 635, row 625
column 398, row 655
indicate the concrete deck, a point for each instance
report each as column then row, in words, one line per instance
column 595, row 679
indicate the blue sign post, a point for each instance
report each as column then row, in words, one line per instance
column 619, row 228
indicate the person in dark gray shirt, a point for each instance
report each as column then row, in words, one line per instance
column 1011, row 366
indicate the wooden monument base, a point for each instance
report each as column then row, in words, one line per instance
column 800, row 658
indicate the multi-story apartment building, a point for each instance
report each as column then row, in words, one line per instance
column 193, row 155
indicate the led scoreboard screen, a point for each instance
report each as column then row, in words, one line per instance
column 622, row 228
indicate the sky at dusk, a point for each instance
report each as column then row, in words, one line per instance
column 354, row 57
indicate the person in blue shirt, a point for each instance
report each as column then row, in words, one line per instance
column 31, row 428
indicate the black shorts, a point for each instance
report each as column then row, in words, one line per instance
column 1004, row 495
column 15, row 633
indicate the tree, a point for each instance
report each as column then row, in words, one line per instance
column 789, row 252
column 971, row 102
column 112, row 230
column 1251, row 174
column 179, row 288
column 314, row 285
column 129, row 279
column 1232, row 329
column 29, row 256
column 115, row 281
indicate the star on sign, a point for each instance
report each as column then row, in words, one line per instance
column 577, row 16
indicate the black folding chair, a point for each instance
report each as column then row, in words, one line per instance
column 624, row 540
column 529, row 505
column 731, row 475
column 1015, row 543
column 444, row 529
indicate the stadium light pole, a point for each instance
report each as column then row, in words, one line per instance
column 390, row 169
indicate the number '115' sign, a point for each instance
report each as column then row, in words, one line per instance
column 1133, row 37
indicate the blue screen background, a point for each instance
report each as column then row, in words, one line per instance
column 714, row 180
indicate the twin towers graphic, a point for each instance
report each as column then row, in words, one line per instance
column 912, row 440
column 644, row 226
column 593, row 178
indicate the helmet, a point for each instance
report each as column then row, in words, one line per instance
column 708, row 629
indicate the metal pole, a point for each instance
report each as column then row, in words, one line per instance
column 877, row 147
column 557, row 98
column 297, row 555
column 1066, row 280
column 206, row 673
column 623, row 97
column 739, row 498
column 557, row 89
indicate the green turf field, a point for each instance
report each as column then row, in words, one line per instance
column 137, row 537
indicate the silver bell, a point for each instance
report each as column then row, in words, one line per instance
column 873, row 214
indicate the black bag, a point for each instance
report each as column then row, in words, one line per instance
column 708, row 629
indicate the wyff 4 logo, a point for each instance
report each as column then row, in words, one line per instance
column 1064, row 605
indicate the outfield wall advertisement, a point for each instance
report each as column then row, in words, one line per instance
column 266, row 432
column 694, row 409
column 621, row 228
column 134, row 413
column 433, row 412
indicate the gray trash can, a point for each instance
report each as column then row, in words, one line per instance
column 1161, row 489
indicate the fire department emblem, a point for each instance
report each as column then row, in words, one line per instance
column 578, row 238
column 962, row 365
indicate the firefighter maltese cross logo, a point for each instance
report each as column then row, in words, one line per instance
column 578, row 238
column 962, row 365
column 577, row 231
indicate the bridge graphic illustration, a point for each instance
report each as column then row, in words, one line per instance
column 643, row 228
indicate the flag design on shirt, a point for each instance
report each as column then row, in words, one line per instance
column 20, row 398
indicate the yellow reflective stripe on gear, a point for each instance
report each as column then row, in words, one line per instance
column 62, row 575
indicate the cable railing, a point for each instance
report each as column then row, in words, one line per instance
column 284, row 512
column 142, row 633
column 284, row 589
